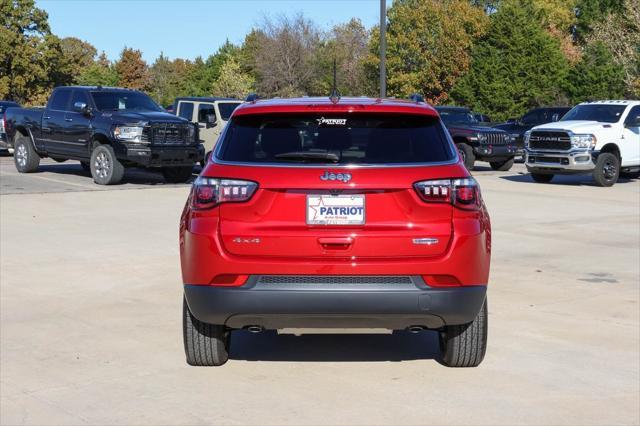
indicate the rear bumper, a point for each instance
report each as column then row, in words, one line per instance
column 159, row 156
column 303, row 305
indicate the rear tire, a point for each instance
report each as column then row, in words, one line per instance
column 177, row 174
column 105, row 167
column 59, row 159
column 25, row 157
column 541, row 177
column 502, row 166
column 204, row 344
column 607, row 169
column 467, row 155
column 465, row 345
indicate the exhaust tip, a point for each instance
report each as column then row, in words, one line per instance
column 254, row 329
column 416, row 328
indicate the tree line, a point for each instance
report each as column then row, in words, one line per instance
column 499, row 57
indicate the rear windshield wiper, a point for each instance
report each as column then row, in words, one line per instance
column 306, row 156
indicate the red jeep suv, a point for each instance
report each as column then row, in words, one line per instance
column 349, row 213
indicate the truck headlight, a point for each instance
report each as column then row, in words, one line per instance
column 191, row 133
column 583, row 141
column 527, row 135
column 129, row 133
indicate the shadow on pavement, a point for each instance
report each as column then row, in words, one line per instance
column 571, row 180
column 270, row 346
column 131, row 175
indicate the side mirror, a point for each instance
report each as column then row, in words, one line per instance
column 210, row 120
column 82, row 108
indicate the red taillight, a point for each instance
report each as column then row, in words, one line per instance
column 462, row 193
column 208, row 192
column 229, row 280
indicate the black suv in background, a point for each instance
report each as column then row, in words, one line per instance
column 4, row 145
column 516, row 127
column 477, row 142
column 106, row 129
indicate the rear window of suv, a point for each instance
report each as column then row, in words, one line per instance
column 346, row 139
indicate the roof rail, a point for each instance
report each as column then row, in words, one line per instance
column 416, row 97
column 252, row 97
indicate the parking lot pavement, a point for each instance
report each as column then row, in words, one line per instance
column 91, row 318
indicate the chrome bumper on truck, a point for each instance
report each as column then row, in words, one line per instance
column 574, row 161
column 303, row 301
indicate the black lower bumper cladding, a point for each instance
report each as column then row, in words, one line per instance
column 316, row 302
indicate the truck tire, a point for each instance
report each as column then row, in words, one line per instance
column 204, row 344
column 607, row 169
column 177, row 174
column 502, row 166
column 465, row 345
column 105, row 167
column 467, row 155
column 541, row 177
column 25, row 156
column 59, row 159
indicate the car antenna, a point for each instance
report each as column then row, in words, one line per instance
column 334, row 97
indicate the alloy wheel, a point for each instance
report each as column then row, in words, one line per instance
column 609, row 169
column 102, row 165
column 21, row 155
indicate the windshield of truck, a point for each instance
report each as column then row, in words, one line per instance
column 227, row 108
column 336, row 139
column 121, row 101
column 596, row 112
column 457, row 116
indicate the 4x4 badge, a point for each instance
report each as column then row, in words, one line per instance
column 344, row 177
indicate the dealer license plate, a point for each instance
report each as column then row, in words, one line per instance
column 335, row 209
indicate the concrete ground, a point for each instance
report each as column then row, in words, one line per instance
column 91, row 318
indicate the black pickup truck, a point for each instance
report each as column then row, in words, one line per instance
column 476, row 142
column 106, row 129
column 516, row 127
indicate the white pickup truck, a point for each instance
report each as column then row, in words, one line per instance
column 600, row 138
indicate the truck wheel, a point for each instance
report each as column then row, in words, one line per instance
column 541, row 177
column 59, row 159
column 467, row 155
column 607, row 169
column 502, row 166
column 105, row 167
column 465, row 345
column 25, row 157
column 204, row 344
column 177, row 174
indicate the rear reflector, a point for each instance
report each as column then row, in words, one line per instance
column 229, row 280
column 441, row 280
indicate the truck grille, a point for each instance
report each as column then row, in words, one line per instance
column 167, row 134
column 497, row 138
column 559, row 141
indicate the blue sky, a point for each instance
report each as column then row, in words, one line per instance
column 187, row 28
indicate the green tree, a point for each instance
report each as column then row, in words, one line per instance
column 348, row 44
column 29, row 53
column 231, row 81
column 100, row 73
column 590, row 12
column 428, row 46
column 516, row 66
column 133, row 72
column 596, row 76
column 78, row 56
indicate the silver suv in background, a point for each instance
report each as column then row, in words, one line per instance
column 210, row 114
